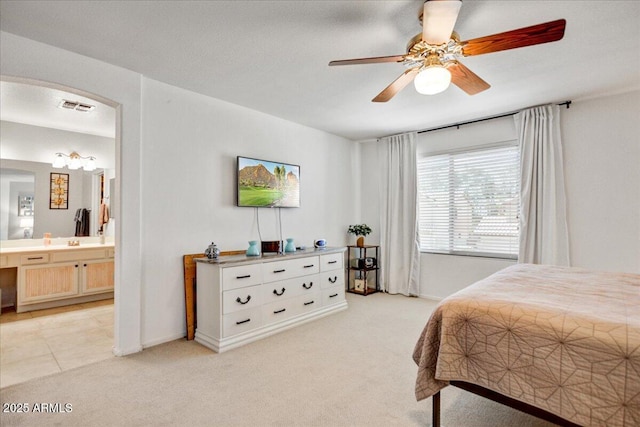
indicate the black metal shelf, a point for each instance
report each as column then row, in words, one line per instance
column 363, row 280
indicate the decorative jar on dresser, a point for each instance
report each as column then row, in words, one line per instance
column 242, row 299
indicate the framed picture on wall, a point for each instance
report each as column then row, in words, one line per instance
column 59, row 195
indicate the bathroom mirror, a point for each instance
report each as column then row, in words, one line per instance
column 30, row 181
column 17, row 203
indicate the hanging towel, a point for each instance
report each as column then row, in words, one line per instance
column 82, row 222
column 103, row 215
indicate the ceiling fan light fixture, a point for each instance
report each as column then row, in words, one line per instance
column 432, row 80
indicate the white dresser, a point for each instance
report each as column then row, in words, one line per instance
column 242, row 299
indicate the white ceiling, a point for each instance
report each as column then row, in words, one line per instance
column 272, row 56
column 40, row 106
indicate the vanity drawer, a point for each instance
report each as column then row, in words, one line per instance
column 241, row 276
column 329, row 279
column 333, row 295
column 331, row 262
column 280, row 270
column 241, row 299
column 75, row 255
column 241, row 321
column 35, row 258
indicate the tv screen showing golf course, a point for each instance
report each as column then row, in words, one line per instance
column 266, row 184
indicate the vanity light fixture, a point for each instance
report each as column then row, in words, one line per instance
column 74, row 161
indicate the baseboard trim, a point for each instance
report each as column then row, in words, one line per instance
column 117, row 351
column 430, row 297
column 163, row 340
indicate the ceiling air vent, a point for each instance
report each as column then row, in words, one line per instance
column 78, row 106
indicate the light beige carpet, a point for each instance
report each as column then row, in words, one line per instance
column 353, row 368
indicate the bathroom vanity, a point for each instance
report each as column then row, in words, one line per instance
column 57, row 275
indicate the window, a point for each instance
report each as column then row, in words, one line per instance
column 469, row 202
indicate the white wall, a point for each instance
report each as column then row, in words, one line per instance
column 175, row 176
column 602, row 170
column 601, row 142
column 190, row 144
column 19, row 141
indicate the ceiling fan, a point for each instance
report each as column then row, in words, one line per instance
column 432, row 56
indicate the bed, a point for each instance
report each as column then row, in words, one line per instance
column 561, row 343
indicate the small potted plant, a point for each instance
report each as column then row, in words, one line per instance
column 360, row 230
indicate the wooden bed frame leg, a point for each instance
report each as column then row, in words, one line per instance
column 436, row 410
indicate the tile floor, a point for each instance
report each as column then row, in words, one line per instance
column 39, row 343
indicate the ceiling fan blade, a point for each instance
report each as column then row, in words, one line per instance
column 395, row 87
column 438, row 20
column 466, row 79
column 527, row 36
column 374, row 60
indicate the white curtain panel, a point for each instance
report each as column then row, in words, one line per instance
column 544, row 238
column 399, row 243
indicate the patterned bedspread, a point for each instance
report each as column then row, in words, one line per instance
column 562, row 339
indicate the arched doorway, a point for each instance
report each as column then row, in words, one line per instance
column 64, row 318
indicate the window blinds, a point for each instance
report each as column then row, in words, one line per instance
column 469, row 202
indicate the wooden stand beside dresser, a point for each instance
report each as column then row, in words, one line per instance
column 242, row 299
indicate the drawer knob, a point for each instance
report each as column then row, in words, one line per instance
column 243, row 277
column 334, row 295
column 275, row 291
column 280, row 311
column 308, row 266
column 309, row 303
column 34, row 257
column 244, row 302
column 304, row 285
column 243, row 321
column 332, row 262
column 279, row 271
column 335, row 278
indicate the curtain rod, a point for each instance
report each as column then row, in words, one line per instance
column 457, row 125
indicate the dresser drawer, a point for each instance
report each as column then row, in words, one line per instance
column 277, row 311
column 280, row 270
column 289, row 288
column 35, row 258
column 310, row 302
column 281, row 290
column 329, row 279
column 241, row 321
column 241, row 276
column 333, row 295
column 331, row 262
column 241, row 299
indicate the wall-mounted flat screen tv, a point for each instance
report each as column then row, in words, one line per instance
column 267, row 184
